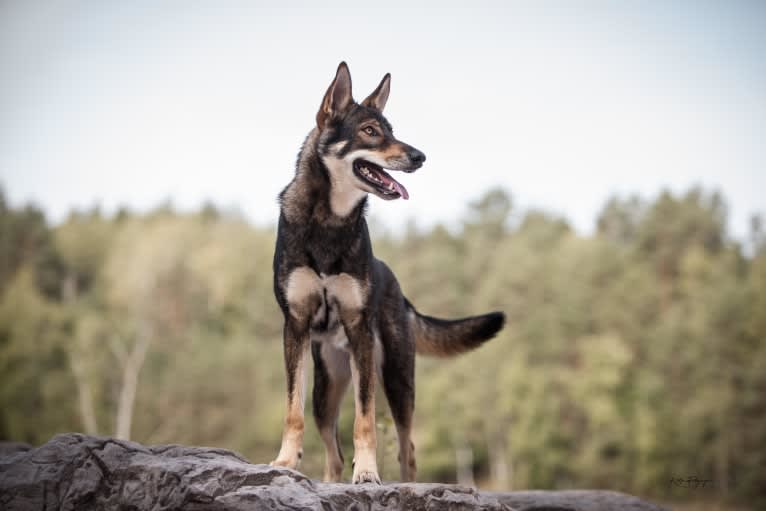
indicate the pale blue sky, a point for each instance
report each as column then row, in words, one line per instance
column 562, row 103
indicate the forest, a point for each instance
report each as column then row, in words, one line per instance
column 632, row 358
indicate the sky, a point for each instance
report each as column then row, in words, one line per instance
column 564, row 104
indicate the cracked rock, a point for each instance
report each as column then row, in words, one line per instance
column 79, row 472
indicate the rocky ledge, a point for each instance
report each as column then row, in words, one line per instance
column 79, row 472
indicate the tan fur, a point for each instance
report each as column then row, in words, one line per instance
column 407, row 466
column 302, row 283
column 351, row 293
column 291, row 451
column 305, row 292
column 365, row 440
column 394, row 152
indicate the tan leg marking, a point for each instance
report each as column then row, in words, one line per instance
column 407, row 467
column 365, row 441
column 292, row 436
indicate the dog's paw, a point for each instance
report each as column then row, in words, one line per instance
column 366, row 476
column 287, row 462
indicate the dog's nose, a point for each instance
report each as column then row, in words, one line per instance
column 416, row 156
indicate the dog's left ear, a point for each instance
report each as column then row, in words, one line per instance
column 379, row 96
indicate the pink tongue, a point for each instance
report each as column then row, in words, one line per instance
column 401, row 189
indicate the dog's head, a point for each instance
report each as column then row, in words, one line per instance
column 357, row 142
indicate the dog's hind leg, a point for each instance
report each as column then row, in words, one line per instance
column 332, row 374
column 399, row 384
column 402, row 405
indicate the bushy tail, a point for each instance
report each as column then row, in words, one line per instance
column 445, row 338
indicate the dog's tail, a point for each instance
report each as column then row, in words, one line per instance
column 445, row 337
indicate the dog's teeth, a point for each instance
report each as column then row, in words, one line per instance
column 369, row 174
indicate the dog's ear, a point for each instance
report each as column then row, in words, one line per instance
column 337, row 98
column 379, row 96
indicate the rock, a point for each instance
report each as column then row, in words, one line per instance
column 8, row 448
column 79, row 472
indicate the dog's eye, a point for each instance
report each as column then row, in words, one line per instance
column 370, row 131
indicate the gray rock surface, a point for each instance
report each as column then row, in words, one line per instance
column 79, row 472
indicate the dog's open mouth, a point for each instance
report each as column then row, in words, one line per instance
column 386, row 186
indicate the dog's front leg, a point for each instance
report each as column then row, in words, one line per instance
column 296, row 344
column 363, row 375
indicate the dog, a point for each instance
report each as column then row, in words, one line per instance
column 341, row 303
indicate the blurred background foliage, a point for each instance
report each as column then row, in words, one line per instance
column 631, row 357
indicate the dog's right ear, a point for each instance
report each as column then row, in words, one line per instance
column 337, row 98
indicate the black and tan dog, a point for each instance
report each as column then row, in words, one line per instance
column 338, row 300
